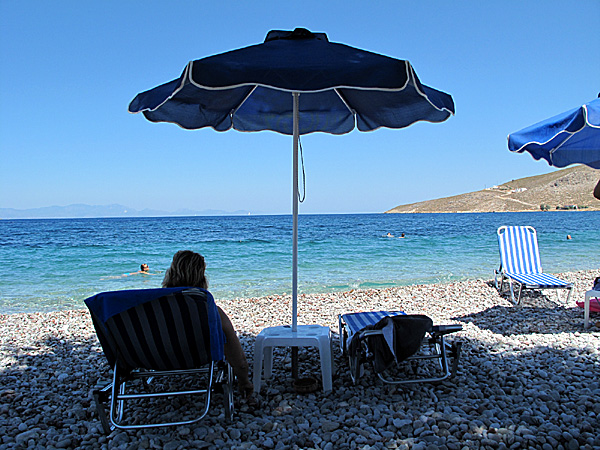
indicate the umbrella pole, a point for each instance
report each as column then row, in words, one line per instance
column 295, row 218
column 296, row 132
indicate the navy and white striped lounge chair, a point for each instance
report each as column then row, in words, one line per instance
column 383, row 338
column 173, row 335
column 520, row 263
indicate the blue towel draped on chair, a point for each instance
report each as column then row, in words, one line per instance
column 108, row 305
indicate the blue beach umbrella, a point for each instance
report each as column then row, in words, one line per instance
column 296, row 82
column 572, row 137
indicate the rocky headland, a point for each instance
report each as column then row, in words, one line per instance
column 563, row 189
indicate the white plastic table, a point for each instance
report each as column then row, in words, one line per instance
column 282, row 336
column 588, row 296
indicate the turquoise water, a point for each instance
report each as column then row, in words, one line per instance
column 56, row 263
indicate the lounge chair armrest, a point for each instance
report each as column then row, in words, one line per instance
column 363, row 334
column 446, row 329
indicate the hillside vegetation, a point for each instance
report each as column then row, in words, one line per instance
column 564, row 189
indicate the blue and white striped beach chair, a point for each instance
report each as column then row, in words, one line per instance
column 520, row 263
column 171, row 334
column 384, row 337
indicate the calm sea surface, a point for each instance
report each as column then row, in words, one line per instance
column 56, row 263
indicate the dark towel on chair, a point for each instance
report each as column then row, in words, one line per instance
column 406, row 332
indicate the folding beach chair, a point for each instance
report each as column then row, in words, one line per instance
column 520, row 263
column 387, row 338
column 173, row 335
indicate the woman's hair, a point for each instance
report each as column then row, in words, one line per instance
column 187, row 269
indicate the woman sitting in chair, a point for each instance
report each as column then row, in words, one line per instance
column 187, row 270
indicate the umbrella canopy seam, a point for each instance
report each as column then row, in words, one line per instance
column 233, row 111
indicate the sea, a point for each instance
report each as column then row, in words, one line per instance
column 55, row 264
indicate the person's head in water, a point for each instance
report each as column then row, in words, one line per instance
column 187, row 269
column 144, row 268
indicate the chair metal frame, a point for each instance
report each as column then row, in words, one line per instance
column 438, row 349
column 115, row 394
column 520, row 263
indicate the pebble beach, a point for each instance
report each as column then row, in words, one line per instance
column 528, row 378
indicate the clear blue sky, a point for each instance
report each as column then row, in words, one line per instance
column 68, row 70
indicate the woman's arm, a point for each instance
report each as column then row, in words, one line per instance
column 234, row 353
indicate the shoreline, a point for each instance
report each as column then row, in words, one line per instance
column 527, row 379
column 337, row 290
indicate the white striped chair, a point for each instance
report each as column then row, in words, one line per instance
column 173, row 334
column 520, row 263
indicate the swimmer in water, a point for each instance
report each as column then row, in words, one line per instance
column 144, row 270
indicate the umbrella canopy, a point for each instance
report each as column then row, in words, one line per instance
column 568, row 138
column 296, row 82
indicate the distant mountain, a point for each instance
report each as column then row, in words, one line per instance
column 564, row 189
column 115, row 210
